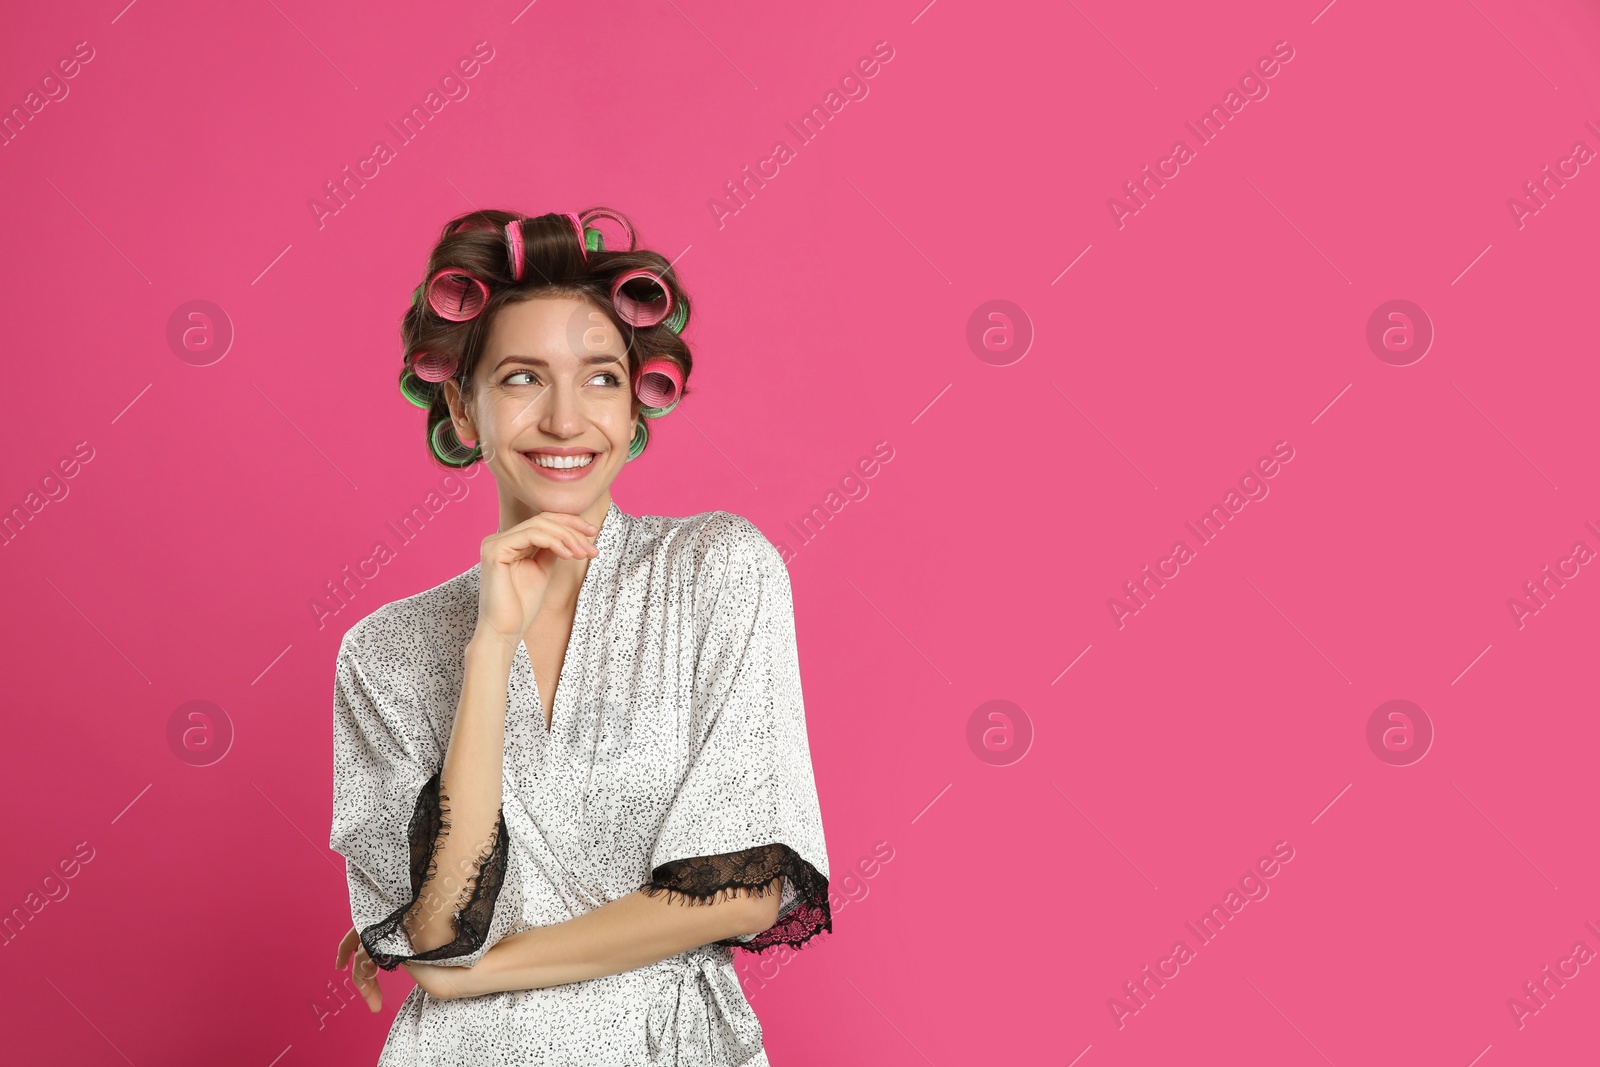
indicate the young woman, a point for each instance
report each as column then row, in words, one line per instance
column 569, row 781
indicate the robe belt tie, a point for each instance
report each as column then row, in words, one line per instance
column 702, row 1018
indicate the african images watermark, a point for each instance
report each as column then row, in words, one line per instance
column 342, row 190
column 54, row 487
column 200, row 732
column 852, row 87
column 1541, row 190
column 757, row 969
column 1253, row 84
column 1138, row 992
column 55, row 890
column 342, row 590
column 52, row 89
column 1538, row 592
column 325, row 1007
column 1138, row 592
column 817, row 518
column 1538, row 992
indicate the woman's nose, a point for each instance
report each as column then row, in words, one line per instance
column 562, row 409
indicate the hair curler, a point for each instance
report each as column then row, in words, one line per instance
column 434, row 366
column 679, row 318
column 475, row 221
column 596, row 214
column 416, row 391
column 456, row 295
column 577, row 228
column 659, row 385
column 449, row 448
column 514, row 248
column 641, row 437
column 641, row 312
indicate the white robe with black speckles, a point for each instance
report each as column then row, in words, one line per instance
column 678, row 731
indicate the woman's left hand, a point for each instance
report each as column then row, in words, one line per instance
column 445, row 983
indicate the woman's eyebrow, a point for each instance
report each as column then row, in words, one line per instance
column 538, row 362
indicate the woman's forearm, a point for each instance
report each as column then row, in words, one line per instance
column 470, row 785
column 631, row 932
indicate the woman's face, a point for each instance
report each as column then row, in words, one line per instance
column 552, row 406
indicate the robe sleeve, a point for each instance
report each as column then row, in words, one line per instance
column 746, row 811
column 389, row 816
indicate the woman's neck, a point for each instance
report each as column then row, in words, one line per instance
column 566, row 576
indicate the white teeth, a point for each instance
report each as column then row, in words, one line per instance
column 564, row 462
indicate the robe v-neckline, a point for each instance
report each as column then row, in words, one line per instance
column 607, row 541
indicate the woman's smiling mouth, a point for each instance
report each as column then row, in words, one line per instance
column 562, row 464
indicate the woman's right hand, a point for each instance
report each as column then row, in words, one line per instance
column 517, row 564
column 364, row 971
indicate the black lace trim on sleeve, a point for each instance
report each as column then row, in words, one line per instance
column 751, row 872
column 430, row 822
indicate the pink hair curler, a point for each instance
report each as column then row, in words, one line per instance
column 456, row 295
column 514, row 247
column 637, row 312
column 660, row 383
column 434, row 366
column 474, row 221
column 577, row 228
column 597, row 213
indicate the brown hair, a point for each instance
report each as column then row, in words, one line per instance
column 554, row 262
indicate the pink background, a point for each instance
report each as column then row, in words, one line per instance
column 831, row 313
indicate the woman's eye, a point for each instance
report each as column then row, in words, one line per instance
column 511, row 379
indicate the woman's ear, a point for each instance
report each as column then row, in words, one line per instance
column 460, row 415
